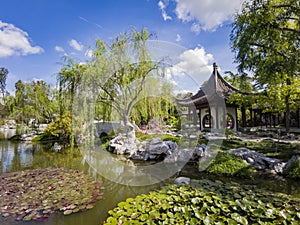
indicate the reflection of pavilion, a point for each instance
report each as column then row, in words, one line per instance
column 209, row 107
column 210, row 110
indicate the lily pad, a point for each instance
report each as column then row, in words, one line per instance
column 196, row 204
column 35, row 194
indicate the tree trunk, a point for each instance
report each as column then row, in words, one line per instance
column 288, row 109
column 287, row 114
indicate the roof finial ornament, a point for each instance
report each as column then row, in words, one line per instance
column 215, row 66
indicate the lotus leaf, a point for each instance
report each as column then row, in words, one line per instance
column 230, row 203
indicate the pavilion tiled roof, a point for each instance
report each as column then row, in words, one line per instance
column 215, row 86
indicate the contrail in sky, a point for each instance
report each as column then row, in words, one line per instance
column 85, row 20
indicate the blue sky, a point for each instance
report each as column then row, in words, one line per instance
column 35, row 34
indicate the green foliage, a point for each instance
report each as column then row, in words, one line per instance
column 69, row 79
column 229, row 164
column 294, row 169
column 106, row 139
column 164, row 137
column 174, row 122
column 3, row 77
column 265, row 38
column 124, row 82
column 31, row 100
column 61, row 128
column 207, row 203
column 228, row 133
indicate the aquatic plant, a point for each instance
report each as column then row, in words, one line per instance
column 35, row 194
column 207, row 202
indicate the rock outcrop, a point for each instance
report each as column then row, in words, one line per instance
column 259, row 160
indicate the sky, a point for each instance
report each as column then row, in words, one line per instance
column 36, row 34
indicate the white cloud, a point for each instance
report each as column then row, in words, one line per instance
column 76, row 45
column 59, row 49
column 209, row 13
column 195, row 61
column 162, row 7
column 14, row 41
column 196, row 28
column 178, row 38
column 192, row 70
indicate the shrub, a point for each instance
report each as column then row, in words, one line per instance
column 61, row 128
column 229, row 164
column 294, row 169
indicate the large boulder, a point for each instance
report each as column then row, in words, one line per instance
column 189, row 155
column 154, row 150
column 121, row 146
column 259, row 160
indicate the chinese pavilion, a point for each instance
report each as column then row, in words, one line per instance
column 209, row 107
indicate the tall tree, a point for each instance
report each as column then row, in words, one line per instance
column 120, row 70
column 266, row 40
column 69, row 78
column 3, row 76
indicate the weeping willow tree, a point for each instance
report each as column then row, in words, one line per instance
column 119, row 77
column 155, row 102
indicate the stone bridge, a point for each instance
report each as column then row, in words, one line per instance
column 102, row 128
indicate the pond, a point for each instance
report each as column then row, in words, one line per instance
column 26, row 155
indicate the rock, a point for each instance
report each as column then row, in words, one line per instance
column 182, row 180
column 259, row 160
column 158, row 147
column 290, row 162
column 202, row 151
column 250, row 160
column 278, row 168
column 56, row 147
column 188, row 155
column 118, row 146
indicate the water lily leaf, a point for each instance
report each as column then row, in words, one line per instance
column 208, row 220
column 144, row 217
column 170, row 214
column 240, row 219
column 37, row 193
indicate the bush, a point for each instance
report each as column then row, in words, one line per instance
column 293, row 170
column 61, row 128
column 229, row 164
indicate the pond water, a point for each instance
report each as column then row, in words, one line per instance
column 26, row 155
